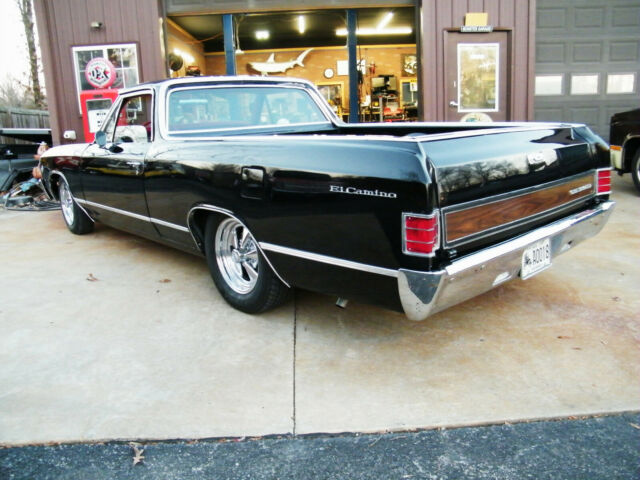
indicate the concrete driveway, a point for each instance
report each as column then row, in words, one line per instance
column 108, row 336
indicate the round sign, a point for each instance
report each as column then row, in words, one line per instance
column 100, row 73
column 476, row 117
column 328, row 73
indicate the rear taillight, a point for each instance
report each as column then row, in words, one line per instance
column 420, row 234
column 603, row 181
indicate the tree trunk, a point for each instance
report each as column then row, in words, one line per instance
column 26, row 12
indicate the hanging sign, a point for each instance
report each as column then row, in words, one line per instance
column 476, row 29
column 100, row 73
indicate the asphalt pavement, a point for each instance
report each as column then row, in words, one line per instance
column 587, row 448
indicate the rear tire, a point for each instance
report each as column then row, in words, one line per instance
column 242, row 275
column 77, row 221
column 635, row 169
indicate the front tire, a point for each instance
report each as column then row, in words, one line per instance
column 242, row 275
column 635, row 169
column 77, row 221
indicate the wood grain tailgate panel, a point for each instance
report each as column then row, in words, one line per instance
column 477, row 219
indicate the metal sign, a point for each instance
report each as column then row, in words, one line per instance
column 476, row 29
column 100, row 73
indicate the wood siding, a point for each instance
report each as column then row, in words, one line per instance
column 435, row 17
column 470, row 221
column 64, row 24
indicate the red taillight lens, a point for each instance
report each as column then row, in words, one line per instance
column 420, row 234
column 604, row 181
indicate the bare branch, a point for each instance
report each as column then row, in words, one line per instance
column 26, row 13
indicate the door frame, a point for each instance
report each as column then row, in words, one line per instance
column 510, row 71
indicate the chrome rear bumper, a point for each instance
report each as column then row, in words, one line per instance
column 425, row 293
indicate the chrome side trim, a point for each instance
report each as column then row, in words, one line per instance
column 77, row 200
column 137, row 216
column 157, row 221
column 230, row 214
column 115, row 210
column 178, row 134
column 338, row 262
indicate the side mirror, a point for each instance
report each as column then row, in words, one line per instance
column 101, row 138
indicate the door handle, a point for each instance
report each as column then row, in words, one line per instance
column 253, row 175
column 253, row 185
column 453, row 104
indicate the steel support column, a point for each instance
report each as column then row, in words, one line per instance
column 229, row 43
column 354, row 103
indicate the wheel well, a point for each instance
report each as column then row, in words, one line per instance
column 631, row 146
column 54, row 186
column 198, row 223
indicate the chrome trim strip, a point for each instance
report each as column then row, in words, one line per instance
column 338, row 262
column 116, row 210
column 508, row 196
column 77, row 200
column 228, row 213
column 275, row 127
column 137, row 216
column 157, row 221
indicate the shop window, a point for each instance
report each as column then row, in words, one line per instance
column 478, row 66
column 621, row 83
column 548, row 85
column 105, row 66
column 584, row 84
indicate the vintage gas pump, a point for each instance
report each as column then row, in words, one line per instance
column 95, row 105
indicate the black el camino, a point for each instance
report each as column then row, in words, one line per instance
column 259, row 176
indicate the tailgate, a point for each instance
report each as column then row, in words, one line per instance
column 498, row 183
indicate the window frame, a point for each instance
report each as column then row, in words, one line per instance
column 104, row 47
column 119, row 103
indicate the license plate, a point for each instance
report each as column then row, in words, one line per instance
column 536, row 258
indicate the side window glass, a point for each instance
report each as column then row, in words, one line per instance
column 133, row 123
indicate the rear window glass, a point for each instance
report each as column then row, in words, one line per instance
column 223, row 108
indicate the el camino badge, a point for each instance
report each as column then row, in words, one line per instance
column 582, row 188
column 357, row 191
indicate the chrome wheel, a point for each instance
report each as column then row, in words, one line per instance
column 237, row 256
column 66, row 202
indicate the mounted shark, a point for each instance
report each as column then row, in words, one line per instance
column 271, row 66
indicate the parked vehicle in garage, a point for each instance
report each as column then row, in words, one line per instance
column 624, row 137
column 17, row 160
column 260, row 177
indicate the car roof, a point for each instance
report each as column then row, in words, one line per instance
column 220, row 79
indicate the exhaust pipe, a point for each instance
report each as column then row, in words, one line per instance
column 342, row 302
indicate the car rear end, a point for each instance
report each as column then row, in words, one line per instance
column 509, row 201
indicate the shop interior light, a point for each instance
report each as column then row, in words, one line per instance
column 385, row 20
column 262, row 34
column 342, row 32
column 302, row 24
